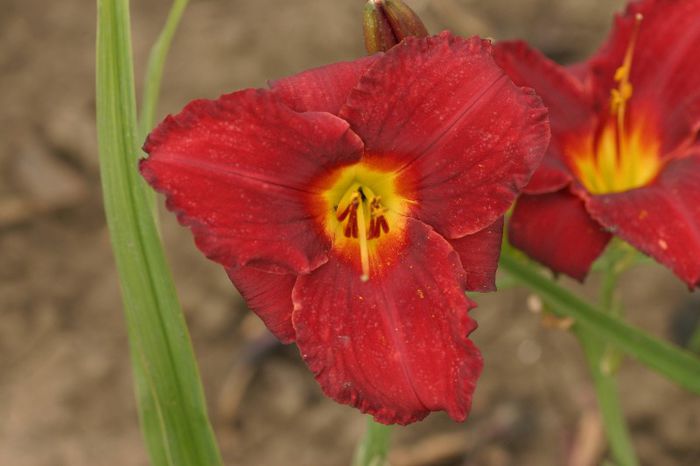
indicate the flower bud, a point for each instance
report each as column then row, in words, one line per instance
column 388, row 22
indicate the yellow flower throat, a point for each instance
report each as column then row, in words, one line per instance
column 363, row 209
column 621, row 158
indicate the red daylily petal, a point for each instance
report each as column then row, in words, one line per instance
column 565, row 96
column 662, row 219
column 552, row 175
column 582, row 73
column 269, row 295
column 446, row 112
column 665, row 70
column 323, row 89
column 479, row 254
column 395, row 346
column 556, row 230
column 568, row 102
column 237, row 170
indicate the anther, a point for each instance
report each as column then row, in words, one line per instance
column 383, row 224
column 343, row 215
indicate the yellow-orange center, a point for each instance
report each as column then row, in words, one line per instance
column 618, row 158
column 364, row 208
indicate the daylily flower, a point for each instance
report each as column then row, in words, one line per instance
column 624, row 158
column 352, row 205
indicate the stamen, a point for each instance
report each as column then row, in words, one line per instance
column 363, row 214
column 620, row 96
column 372, row 227
column 351, row 214
column 383, row 223
column 341, row 216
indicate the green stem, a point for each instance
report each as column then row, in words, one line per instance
column 694, row 342
column 595, row 349
column 374, row 446
column 608, row 400
column 608, row 288
column 668, row 360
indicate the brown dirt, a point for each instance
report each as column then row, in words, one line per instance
column 65, row 390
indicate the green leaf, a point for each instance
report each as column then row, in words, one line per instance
column 169, row 393
column 677, row 365
column 152, row 80
column 154, row 69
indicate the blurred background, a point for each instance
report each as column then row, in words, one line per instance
column 65, row 383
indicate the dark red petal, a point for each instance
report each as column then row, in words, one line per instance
column 552, row 175
column 442, row 108
column 269, row 295
column 662, row 219
column 665, row 69
column 556, row 230
column 479, row 254
column 237, row 171
column 566, row 97
column 395, row 346
column 582, row 73
column 323, row 89
column 570, row 106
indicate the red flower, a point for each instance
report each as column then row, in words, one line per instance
column 624, row 158
column 353, row 204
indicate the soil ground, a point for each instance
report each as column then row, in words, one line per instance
column 66, row 397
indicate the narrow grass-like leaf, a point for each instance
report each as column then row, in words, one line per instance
column 169, row 392
column 677, row 365
column 154, row 69
column 152, row 80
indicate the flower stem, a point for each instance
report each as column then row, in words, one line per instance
column 608, row 399
column 677, row 365
column 374, row 446
column 597, row 352
column 694, row 343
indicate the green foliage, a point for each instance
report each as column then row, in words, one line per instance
column 677, row 365
column 169, row 393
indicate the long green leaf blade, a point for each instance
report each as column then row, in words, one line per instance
column 675, row 364
column 156, row 64
column 170, row 397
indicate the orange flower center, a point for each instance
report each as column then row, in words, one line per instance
column 620, row 158
column 363, row 208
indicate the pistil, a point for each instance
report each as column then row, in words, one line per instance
column 364, row 253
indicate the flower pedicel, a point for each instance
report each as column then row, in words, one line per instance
column 354, row 204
